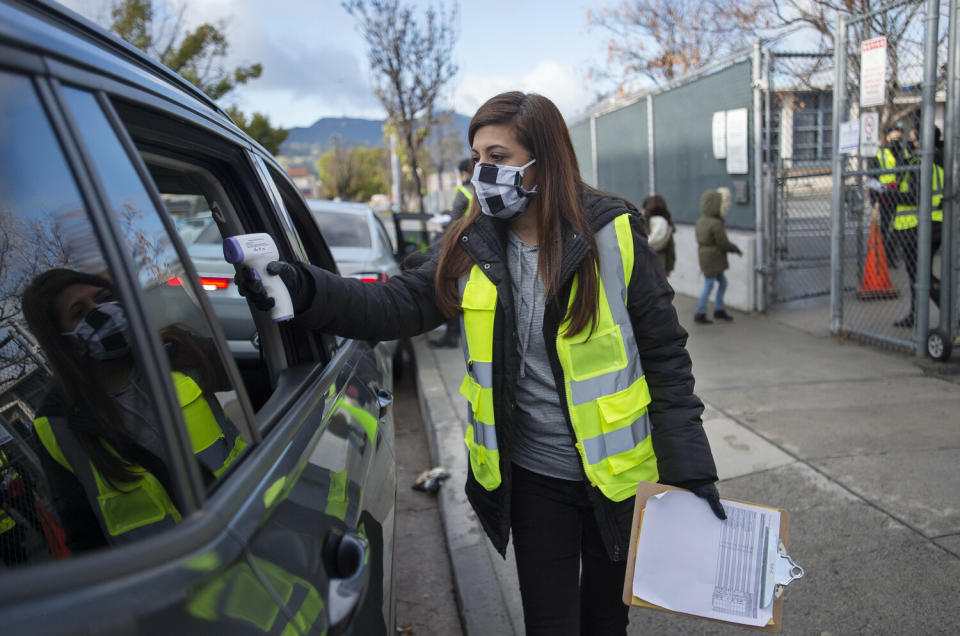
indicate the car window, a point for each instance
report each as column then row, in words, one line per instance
column 343, row 229
column 83, row 450
column 203, row 236
column 321, row 346
column 384, row 237
column 216, row 425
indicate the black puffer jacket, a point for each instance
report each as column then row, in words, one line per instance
column 403, row 306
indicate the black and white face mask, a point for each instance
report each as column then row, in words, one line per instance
column 102, row 334
column 499, row 190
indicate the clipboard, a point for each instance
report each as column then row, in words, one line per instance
column 645, row 490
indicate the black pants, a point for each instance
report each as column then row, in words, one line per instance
column 568, row 584
column 453, row 329
column 909, row 241
column 888, row 206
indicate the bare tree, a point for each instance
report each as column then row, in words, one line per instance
column 27, row 248
column 445, row 143
column 901, row 26
column 660, row 41
column 412, row 62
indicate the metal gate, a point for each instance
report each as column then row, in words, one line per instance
column 881, row 283
column 797, row 149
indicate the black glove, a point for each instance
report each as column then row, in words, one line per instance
column 251, row 287
column 706, row 490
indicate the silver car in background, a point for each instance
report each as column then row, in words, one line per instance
column 360, row 243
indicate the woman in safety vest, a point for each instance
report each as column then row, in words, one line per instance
column 578, row 382
column 100, row 438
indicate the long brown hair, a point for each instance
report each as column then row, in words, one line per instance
column 656, row 205
column 538, row 125
column 82, row 391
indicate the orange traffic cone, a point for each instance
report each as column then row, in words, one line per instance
column 876, row 283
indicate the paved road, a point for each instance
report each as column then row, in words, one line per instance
column 423, row 587
column 861, row 445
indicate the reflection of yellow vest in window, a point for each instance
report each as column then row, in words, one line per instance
column 7, row 522
column 238, row 594
column 907, row 212
column 142, row 507
column 603, row 382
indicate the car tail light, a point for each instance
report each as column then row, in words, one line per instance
column 370, row 278
column 209, row 283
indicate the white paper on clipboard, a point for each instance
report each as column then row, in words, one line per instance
column 689, row 561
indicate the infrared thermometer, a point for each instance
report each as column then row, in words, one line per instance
column 255, row 251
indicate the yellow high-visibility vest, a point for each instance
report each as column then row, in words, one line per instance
column 467, row 192
column 887, row 159
column 604, row 384
column 238, row 595
column 7, row 522
column 906, row 217
column 141, row 507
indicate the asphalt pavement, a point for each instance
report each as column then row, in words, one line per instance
column 861, row 445
column 422, row 583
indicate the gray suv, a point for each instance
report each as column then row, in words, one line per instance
column 168, row 463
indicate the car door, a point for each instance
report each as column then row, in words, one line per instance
column 78, row 212
column 348, row 485
column 325, row 530
column 236, row 562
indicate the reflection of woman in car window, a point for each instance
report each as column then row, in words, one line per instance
column 102, row 436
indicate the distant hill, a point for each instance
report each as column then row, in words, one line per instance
column 314, row 140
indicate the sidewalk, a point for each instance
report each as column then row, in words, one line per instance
column 860, row 445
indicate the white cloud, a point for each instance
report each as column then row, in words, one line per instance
column 565, row 85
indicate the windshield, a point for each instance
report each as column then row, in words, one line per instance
column 344, row 230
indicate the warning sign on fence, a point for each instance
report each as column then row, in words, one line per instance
column 873, row 72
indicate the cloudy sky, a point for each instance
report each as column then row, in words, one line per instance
column 315, row 62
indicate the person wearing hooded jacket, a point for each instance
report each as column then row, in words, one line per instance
column 660, row 231
column 578, row 381
column 713, row 247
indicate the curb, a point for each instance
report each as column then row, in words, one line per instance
column 483, row 610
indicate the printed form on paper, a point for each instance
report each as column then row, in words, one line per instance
column 689, row 561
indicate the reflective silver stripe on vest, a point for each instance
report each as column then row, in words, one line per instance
column 615, row 287
column 82, row 469
column 291, row 610
column 214, row 456
column 481, row 372
column 483, row 434
column 616, row 442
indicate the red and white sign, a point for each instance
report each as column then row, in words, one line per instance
column 873, row 72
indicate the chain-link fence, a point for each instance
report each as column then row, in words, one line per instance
column 797, row 148
column 888, row 198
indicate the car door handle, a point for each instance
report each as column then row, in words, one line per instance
column 348, row 562
column 384, row 400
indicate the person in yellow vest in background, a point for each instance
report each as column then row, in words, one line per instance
column 98, row 431
column 462, row 201
column 578, row 383
column 891, row 154
column 906, row 222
